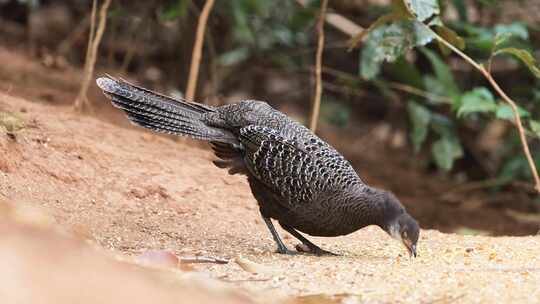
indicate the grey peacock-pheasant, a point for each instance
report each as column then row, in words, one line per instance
column 298, row 179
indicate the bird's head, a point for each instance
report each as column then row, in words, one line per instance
column 406, row 230
column 402, row 227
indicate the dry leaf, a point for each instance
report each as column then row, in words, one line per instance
column 253, row 267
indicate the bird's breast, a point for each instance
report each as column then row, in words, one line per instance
column 326, row 217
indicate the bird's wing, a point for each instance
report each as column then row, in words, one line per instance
column 285, row 167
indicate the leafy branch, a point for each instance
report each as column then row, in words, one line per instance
column 409, row 25
column 499, row 90
column 392, row 85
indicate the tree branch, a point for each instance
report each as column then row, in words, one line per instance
column 197, row 50
column 392, row 84
column 315, row 108
column 95, row 39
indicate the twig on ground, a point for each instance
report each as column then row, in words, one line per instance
column 447, row 299
column 315, row 108
column 247, row 280
column 197, row 50
column 202, row 259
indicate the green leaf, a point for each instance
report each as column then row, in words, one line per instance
column 370, row 65
column 420, row 117
column 174, row 10
column 450, row 36
column 386, row 92
column 535, row 127
column 501, row 38
column 524, row 56
column 407, row 73
column 242, row 31
column 435, row 87
column 442, row 125
column 516, row 29
column 422, row 9
column 475, row 101
column 445, row 151
column 233, row 57
column 334, row 112
column 435, row 21
column 380, row 21
column 302, row 18
column 447, row 148
column 461, row 8
column 504, row 111
column 513, row 168
column 442, row 72
column 389, row 42
column 400, row 8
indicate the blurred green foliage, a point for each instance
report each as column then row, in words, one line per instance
column 174, row 10
column 266, row 29
column 403, row 36
column 392, row 40
column 401, row 47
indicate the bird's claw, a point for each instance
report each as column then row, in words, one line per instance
column 287, row 251
column 304, row 248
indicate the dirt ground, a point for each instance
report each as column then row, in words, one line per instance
column 128, row 191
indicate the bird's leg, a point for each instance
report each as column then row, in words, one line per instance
column 312, row 247
column 281, row 248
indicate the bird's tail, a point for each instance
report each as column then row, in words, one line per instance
column 161, row 113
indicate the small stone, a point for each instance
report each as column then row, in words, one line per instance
column 253, row 267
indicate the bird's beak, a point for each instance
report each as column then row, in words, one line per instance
column 412, row 250
column 410, row 247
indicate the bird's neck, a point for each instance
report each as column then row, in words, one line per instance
column 374, row 207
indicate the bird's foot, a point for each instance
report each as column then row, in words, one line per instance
column 322, row 252
column 287, row 251
column 315, row 250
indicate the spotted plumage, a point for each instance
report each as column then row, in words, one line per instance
column 297, row 178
